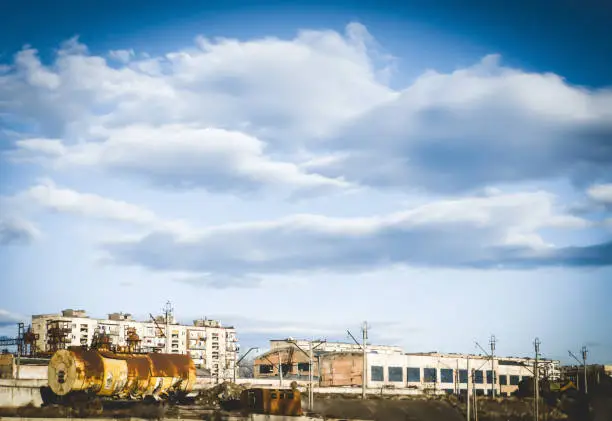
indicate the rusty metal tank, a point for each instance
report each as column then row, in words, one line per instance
column 130, row 376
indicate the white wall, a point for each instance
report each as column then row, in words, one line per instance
column 439, row 362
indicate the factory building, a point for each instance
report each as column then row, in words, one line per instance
column 449, row 372
column 292, row 356
column 212, row 347
column 341, row 365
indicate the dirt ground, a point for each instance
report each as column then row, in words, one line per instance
column 388, row 410
column 451, row 409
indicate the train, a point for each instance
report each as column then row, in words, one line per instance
column 105, row 374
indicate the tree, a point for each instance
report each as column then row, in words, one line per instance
column 246, row 369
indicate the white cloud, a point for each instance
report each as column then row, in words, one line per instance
column 182, row 156
column 310, row 114
column 273, row 99
column 123, row 56
column 16, row 231
column 601, row 193
column 47, row 195
column 478, row 126
column 479, row 231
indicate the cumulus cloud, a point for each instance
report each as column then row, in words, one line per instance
column 181, row 156
column 313, row 114
column 49, row 196
column 471, row 232
column 478, row 126
column 17, row 231
column 242, row 111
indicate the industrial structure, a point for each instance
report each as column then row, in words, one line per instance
column 341, row 365
column 127, row 376
column 212, row 347
column 288, row 354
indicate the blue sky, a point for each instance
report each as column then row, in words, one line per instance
column 441, row 171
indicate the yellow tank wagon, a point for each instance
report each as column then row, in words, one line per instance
column 122, row 376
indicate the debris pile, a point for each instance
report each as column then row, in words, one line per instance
column 217, row 395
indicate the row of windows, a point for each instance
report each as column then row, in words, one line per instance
column 413, row 374
column 267, row 368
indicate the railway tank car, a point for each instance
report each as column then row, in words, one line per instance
column 105, row 374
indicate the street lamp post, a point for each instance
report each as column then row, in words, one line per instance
column 236, row 365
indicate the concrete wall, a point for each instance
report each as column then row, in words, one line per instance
column 10, row 370
column 31, row 372
column 16, row 393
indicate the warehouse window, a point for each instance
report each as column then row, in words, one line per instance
column 414, row 374
column 526, row 378
column 478, row 379
column 490, row 378
column 303, row 366
column 503, row 380
column 430, row 375
column 286, row 368
column 446, row 375
column 463, row 376
column 265, row 369
column 377, row 373
column 514, row 380
column 396, row 374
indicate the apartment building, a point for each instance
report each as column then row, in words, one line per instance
column 212, row 347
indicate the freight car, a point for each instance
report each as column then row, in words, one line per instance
column 272, row 401
column 78, row 372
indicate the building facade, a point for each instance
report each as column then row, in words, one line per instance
column 293, row 356
column 341, row 365
column 451, row 372
column 212, row 347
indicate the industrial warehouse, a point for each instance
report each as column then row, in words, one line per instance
column 161, row 359
column 341, row 365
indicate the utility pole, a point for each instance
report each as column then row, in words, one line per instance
column 491, row 356
column 310, row 377
column 468, row 394
column 310, row 355
column 363, row 345
column 364, row 330
column 584, row 352
column 475, row 396
column 280, row 370
column 492, row 342
column 536, row 378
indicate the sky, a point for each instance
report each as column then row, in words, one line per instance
column 441, row 171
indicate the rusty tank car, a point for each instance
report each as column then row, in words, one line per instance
column 105, row 374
